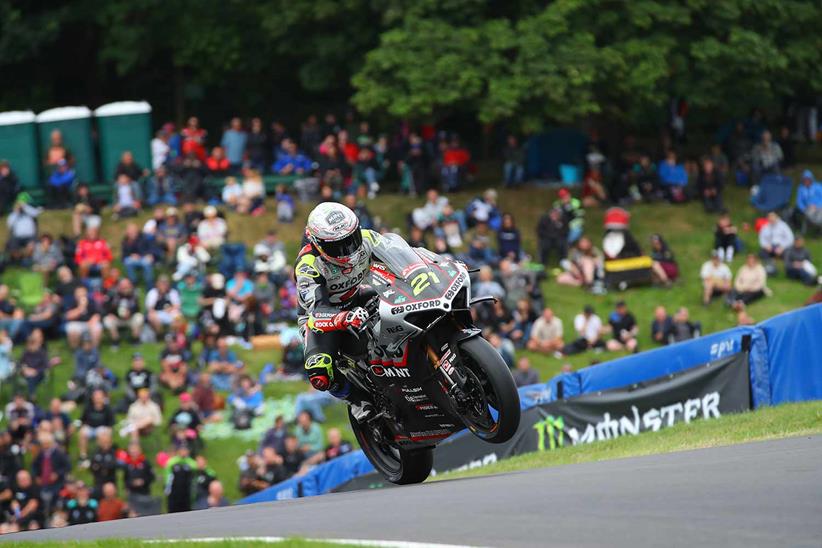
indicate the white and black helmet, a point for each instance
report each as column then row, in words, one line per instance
column 334, row 231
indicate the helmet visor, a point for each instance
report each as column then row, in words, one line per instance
column 343, row 248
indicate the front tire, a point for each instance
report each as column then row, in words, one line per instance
column 492, row 386
column 397, row 465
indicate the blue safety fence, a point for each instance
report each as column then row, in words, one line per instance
column 785, row 362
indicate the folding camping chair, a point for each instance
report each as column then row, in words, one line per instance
column 774, row 193
column 31, row 289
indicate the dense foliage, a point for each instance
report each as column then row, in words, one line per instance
column 519, row 60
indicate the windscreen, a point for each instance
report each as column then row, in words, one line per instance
column 397, row 255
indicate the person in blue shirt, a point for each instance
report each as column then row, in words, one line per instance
column 61, row 183
column 291, row 161
column 673, row 178
column 808, row 201
column 233, row 142
column 247, row 397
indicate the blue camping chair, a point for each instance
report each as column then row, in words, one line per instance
column 774, row 193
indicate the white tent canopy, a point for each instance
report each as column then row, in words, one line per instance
column 63, row 113
column 121, row 108
column 16, row 117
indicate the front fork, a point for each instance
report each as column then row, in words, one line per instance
column 446, row 361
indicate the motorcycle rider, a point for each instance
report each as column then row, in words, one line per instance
column 329, row 271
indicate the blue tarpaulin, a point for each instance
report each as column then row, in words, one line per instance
column 795, row 354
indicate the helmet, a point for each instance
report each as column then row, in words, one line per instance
column 334, row 231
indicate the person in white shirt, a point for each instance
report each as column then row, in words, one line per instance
column 775, row 237
column 232, row 192
column 589, row 332
column 426, row 216
column 546, row 334
column 159, row 149
column 716, row 278
column 212, row 229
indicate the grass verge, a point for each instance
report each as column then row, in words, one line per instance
column 796, row 419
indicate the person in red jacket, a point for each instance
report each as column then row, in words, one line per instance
column 217, row 163
column 93, row 255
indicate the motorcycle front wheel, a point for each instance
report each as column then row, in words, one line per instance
column 397, row 465
column 489, row 386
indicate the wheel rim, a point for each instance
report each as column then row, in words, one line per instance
column 386, row 453
column 481, row 396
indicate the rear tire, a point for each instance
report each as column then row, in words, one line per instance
column 488, row 367
column 397, row 465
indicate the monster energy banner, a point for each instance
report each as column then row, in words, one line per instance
column 704, row 392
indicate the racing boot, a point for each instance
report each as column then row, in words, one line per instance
column 361, row 407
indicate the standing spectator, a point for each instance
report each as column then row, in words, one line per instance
column 709, row 184
column 143, row 416
column 546, row 333
column 93, row 255
column 524, row 374
column 111, row 506
column 662, row 326
column 291, row 161
column 194, row 139
column 624, row 329
column 160, row 149
column 572, row 214
column 513, row 168
column 138, row 474
column 716, row 278
column 808, row 202
column 674, row 178
column 774, row 238
column 162, row 305
column 97, row 420
column 82, row 509
column 663, row 267
column 766, row 156
column 750, row 282
column 122, row 311
column 22, row 229
column 9, row 186
column 49, row 469
column 552, row 236
column 180, row 480
column 234, row 143
column 589, row 333
column 256, row 147
column 725, row 238
column 46, row 257
column 798, row 263
column 104, row 460
column 26, row 504
column 60, row 183
column 83, row 319
column 509, row 244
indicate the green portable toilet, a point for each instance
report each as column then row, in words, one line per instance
column 18, row 145
column 75, row 125
column 123, row 126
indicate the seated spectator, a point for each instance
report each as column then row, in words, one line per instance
column 509, row 243
column 573, row 216
column 212, row 229
column 293, row 456
column 487, row 286
column 524, row 318
column 162, row 305
column 664, row 267
column 100, row 378
column 217, row 164
column 26, row 503
column 683, row 328
column 774, row 238
column 232, row 192
column 129, row 169
column 82, row 509
column 223, row 365
column 766, row 157
column 126, row 198
column 726, row 240
column 798, row 263
column 480, row 252
column 103, row 462
column 252, row 197
column 234, row 143
column 552, row 236
column 6, row 364
column 662, row 326
column 86, row 358
column 44, row 316
column 97, row 420
column 173, row 366
column 584, row 265
column 19, row 415
column 546, row 334
column 291, row 161
column 35, row 361
column 46, row 257
column 170, row 233
column 86, row 212
column 60, row 183
column 426, row 217
column 12, row 317
column 366, row 172
column 588, row 327
column 185, row 423
column 808, row 202
column 143, row 416
column 286, row 207
column 269, row 255
column 162, row 188
column 624, row 329
column 122, row 311
column 709, row 184
column 524, row 374
column 192, row 258
column 9, row 186
column 513, row 167
column 83, row 319
column 716, row 278
column 111, row 506
column 484, row 210
column 137, row 254
column 93, row 255
column 673, row 178
column 337, row 446
column 239, row 291
column 750, row 283
column 646, row 178
column 246, row 402
column 190, row 290
column 275, row 436
column 138, row 378
column 22, row 229
column 205, row 398
column 309, row 434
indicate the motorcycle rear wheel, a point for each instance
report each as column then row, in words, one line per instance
column 491, row 384
column 397, row 465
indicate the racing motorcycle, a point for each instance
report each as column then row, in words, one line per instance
column 428, row 370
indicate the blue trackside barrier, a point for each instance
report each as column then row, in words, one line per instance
column 785, row 363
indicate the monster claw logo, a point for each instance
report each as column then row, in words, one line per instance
column 553, row 428
column 400, row 299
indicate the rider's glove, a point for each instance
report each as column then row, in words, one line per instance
column 353, row 318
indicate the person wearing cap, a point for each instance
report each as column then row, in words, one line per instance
column 624, row 329
column 60, row 183
column 180, row 470
column 192, row 258
column 9, row 186
column 171, row 233
column 572, row 213
column 212, row 229
column 143, row 416
column 589, row 333
column 716, row 278
column 808, row 202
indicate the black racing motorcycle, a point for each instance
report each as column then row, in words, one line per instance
column 428, row 370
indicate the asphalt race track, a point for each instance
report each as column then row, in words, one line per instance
column 757, row 494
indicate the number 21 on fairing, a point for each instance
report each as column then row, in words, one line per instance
column 420, row 281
